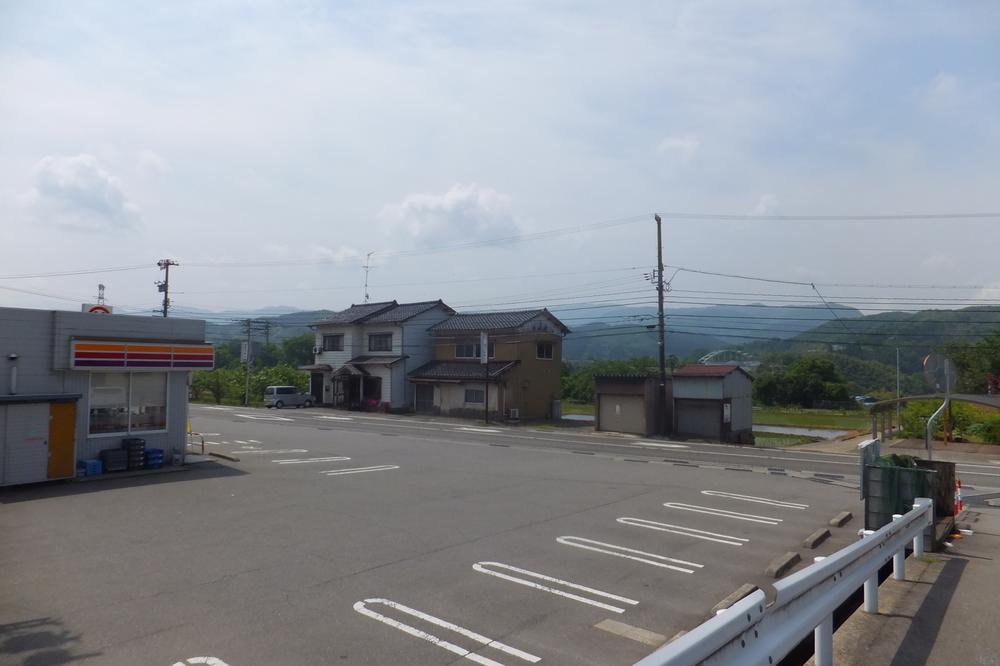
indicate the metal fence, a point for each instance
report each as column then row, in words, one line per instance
column 749, row 632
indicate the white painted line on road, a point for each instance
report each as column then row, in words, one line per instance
column 336, row 418
column 767, row 457
column 661, row 445
column 620, row 551
column 248, row 448
column 272, row 451
column 983, row 466
column 488, row 431
column 684, row 531
column 254, row 441
column 767, row 520
column 451, row 647
column 758, row 500
column 360, row 470
column 240, row 441
column 224, row 409
column 214, row 443
column 481, row 567
column 209, row 661
column 263, row 418
column 210, row 434
column 299, row 461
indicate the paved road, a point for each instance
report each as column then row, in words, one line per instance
column 344, row 538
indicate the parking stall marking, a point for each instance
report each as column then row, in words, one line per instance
column 360, row 470
column 263, row 418
column 758, row 500
column 254, row 441
column 488, row 431
column 684, row 531
column 241, row 441
column 273, row 451
column 362, row 608
column 712, row 511
column 481, row 567
column 299, row 461
column 622, row 551
column 662, row 445
column 336, row 418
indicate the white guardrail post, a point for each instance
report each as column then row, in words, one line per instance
column 750, row 633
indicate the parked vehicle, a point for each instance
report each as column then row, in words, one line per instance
column 286, row 396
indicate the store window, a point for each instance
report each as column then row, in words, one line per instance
column 475, row 396
column 124, row 403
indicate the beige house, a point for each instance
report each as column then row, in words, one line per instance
column 521, row 379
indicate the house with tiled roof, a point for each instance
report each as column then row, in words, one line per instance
column 519, row 380
column 363, row 353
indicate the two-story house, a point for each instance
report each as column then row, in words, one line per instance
column 520, row 380
column 363, row 353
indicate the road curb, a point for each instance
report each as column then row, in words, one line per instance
column 781, row 564
column 816, row 538
column 841, row 519
column 224, row 456
column 743, row 591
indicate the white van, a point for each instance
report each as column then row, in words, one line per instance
column 286, row 396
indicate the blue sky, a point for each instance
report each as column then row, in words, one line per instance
column 256, row 132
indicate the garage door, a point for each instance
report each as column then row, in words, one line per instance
column 623, row 413
column 699, row 418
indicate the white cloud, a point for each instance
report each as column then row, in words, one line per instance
column 767, row 204
column 153, row 163
column 463, row 213
column 683, row 146
column 77, row 193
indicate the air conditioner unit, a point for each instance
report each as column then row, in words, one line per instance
column 317, row 350
column 515, row 413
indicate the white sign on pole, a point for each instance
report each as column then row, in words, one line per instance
column 484, row 351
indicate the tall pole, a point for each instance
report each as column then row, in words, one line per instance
column 367, row 267
column 662, row 397
column 164, row 286
column 484, row 360
column 246, row 386
column 899, row 418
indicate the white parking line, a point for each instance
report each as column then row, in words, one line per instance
column 263, row 418
column 224, row 409
column 663, row 446
column 767, row 520
column 758, row 500
column 254, row 441
column 481, row 567
column 685, row 531
column 620, row 551
column 488, row 431
column 240, row 441
column 274, row 451
column 299, row 461
column 451, row 647
column 360, row 470
column 336, row 418
column 213, row 443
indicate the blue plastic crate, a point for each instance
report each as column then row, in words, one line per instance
column 90, row 467
column 154, row 452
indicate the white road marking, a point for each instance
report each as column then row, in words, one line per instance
column 263, row 418
column 685, row 531
column 983, row 466
column 274, row 451
column 360, row 470
column 208, row 434
column 336, row 418
column 254, row 441
column 209, row 661
column 663, row 446
column 489, row 431
column 248, row 448
column 481, row 567
column 224, row 409
column 299, row 461
column 240, row 441
column 758, row 500
column 214, row 443
column 620, row 551
column 767, row 520
column 451, row 647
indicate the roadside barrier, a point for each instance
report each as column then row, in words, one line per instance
column 751, row 633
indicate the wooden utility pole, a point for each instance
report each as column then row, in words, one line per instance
column 662, row 396
column 164, row 286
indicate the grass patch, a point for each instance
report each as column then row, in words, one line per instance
column 574, row 407
column 812, row 418
column 775, row 440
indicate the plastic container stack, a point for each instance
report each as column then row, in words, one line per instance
column 135, row 448
column 91, row 467
column 154, row 458
column 114, row 460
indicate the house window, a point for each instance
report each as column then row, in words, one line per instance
column 123, row 403
column 473, row 350
column 333, row 343
column 380, row 342
column 475, row 396
column 544, row 350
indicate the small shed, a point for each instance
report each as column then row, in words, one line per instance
column 628, row 403
column 713, row 402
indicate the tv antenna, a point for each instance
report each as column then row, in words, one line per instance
column 100, row 294
column 367, row 268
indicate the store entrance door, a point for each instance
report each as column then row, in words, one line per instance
column 62, row 440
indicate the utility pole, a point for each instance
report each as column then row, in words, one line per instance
column 367, row 268
column 267, row 331
column 899, row 417
column 662, row 397
column 484, row 360
column 248, row 325
column 164, row 286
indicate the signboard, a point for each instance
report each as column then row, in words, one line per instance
column 484, row 348
column 97, row 354
column 249, row 351
column 96, row 308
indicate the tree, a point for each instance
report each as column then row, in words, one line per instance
column 808, row 380
column 298, row 350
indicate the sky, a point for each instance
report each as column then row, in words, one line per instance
column 268, row 147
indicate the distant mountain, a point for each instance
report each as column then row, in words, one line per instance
column 601, row 341
column 221, row 327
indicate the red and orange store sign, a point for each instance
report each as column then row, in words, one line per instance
column 97, row 354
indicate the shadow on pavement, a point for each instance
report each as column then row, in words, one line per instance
column 49, row 489
column 40, row 642
column 923, row 631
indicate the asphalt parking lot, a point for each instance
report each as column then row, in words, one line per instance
column 336, row 539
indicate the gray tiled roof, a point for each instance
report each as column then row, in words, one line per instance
column 458, row 370
column 356, row 313
column 493, row 321
column 405, row 311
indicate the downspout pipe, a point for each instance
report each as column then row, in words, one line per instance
column 930, row 426
column 12, row 358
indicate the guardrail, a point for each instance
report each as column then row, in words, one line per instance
column 749, row 632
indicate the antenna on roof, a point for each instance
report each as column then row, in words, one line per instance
column 367, row 268
column 100, row 294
